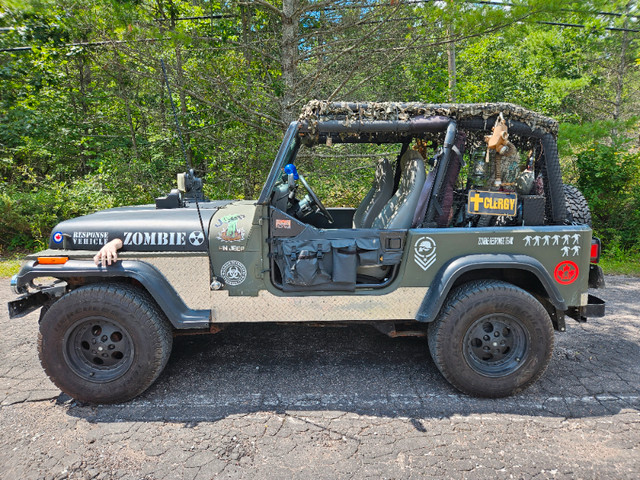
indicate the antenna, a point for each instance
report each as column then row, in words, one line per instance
column 191, row 182
column 175, row 116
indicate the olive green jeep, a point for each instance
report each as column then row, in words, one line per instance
column 467, row 236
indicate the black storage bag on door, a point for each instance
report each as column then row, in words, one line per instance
column 317, row 264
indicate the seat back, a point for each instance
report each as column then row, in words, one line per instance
column 400, row 209
column 377, row 197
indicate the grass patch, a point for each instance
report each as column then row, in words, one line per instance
column 9, row 267
column 621, row 263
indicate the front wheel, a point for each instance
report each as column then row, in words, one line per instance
column 104, row 343
column 491, row 339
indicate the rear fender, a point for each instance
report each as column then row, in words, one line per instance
column 489, row 265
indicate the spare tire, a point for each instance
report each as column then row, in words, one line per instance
column 577, row 206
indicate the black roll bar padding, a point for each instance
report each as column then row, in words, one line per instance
column 414, row 125
column 437, row 123
column 453, row 171
column 558, row 202
column 435, row 206
column 397, row 174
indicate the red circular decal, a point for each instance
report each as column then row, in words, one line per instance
column 566, row 272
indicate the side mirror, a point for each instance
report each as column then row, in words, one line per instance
column 182, row 183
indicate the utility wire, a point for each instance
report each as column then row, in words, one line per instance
column 473, row 2
column 149, row 40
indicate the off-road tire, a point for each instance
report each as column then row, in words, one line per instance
column 104, row 343
column 577, row 206
column 491, row 339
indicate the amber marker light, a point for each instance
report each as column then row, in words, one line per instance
column 52, row 260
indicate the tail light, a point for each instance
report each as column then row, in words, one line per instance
column 595, row 250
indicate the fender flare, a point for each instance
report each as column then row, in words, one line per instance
column 180, row 316
column 452, row 270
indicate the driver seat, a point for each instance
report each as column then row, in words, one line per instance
column 380, row 193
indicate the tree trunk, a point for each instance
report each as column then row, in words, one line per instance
column 451, row 61
column 183, row 105
column 250, row 160
column 289, row 59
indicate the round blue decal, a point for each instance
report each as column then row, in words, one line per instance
column 57, row 237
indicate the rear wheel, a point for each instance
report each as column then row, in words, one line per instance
column 104, row 343
column 491, row 339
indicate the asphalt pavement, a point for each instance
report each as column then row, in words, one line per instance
column 287, row 401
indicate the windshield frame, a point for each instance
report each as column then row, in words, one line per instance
column 286, row 154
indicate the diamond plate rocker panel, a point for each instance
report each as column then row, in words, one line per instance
column 401, row 304
column 188, row 275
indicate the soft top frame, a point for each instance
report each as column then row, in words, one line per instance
column 391, row 121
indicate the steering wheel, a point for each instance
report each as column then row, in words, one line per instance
column 316, row 200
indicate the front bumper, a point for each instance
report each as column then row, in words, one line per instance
column 28, row 302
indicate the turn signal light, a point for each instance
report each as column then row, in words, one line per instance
column 52, row 260
column 595, row 250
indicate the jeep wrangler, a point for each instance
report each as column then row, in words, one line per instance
column 467, row 236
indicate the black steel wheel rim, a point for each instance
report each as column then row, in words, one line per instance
column 496, row 345
column 98, row 349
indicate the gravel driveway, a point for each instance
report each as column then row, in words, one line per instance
column 275, row 401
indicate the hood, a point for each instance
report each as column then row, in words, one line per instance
column 141, row 228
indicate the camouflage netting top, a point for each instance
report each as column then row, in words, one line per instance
column 350, row 112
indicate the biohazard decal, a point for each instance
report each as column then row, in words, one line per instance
column 233, row 273
column 425, row 252
column 566, row 272
column 231, row 232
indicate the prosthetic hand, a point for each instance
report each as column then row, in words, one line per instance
column 108, row 254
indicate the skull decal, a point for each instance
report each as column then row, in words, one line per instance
column 425, row 252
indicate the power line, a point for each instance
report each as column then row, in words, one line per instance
column 149, row 40
column 474, row 2
column 568, row 10
column 577, row 25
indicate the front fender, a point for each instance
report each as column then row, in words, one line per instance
column 450, row 272
column 181, row 316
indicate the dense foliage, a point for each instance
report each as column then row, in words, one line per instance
column 86, row 121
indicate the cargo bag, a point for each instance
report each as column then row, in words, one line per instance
column 322, row 264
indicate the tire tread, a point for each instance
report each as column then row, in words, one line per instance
column 141, row 307
column 454, row 306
